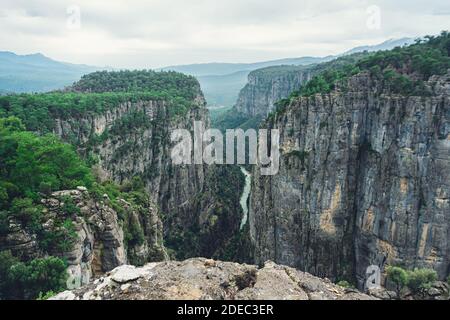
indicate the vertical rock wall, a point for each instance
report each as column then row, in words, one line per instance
column 364, row 179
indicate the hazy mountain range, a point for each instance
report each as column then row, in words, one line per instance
column 221, row 82
column 37, row 73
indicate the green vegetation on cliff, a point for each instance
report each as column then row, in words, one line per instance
column 217, row 235
column 402, row 70
column 98, row 92
column 416, row 280
column 30, row 280
column 33, row 167
column 32, row 164
column 138, row 81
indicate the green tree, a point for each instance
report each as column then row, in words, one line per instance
column 11, row 124
column 421, row 279
column 7, row 260
column 32, row 164
column 398, row 276
column 44, row 275
column 21, row 280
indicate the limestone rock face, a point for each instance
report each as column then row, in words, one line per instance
column 144, row 150
column 203, row 279
column 364, row 180
column 267, row 86
column 20, row 242
column 98, row 244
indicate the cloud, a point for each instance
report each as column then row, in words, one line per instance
column 154, row 33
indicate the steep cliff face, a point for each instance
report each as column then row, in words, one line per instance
column 267, row 86
column 121, row 122
column 133, row 140
column 364, row 180
column 97, row 242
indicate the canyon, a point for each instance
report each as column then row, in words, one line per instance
column 265, row 87
column 363, row 182
column 188, row 211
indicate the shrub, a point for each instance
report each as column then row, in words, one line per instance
column 421, row 279
column 134, row 233
column 345, row 284
column 398, row 276
column 6, row 281
column 416, row 280
column 19, row 280
column 46, row 274
column 69, row 207
column 25, row 211
column 59, row 240
column 45, row 296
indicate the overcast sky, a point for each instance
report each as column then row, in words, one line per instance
column 155, row 33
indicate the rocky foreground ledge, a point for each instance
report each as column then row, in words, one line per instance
column 204, row 279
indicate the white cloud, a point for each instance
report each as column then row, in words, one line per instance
column 154, row 33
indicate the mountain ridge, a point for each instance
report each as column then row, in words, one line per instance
column 37, row 72
column 212, row 75
column 303, row 60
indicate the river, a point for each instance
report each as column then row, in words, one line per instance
column 245, row 195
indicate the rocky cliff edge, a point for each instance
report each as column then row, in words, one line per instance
column 205, row 279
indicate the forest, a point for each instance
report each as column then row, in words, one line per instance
column 402, row 70
column 32, row 167
column 98, row 92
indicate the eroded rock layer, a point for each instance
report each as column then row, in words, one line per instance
column 364, row 180
column 267, row 86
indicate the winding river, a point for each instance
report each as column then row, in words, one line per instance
column 244, row 196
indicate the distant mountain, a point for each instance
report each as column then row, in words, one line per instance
column 222, row 90
column 221, row 82
column 216, row 68
column 387, row 45
column 37, row 73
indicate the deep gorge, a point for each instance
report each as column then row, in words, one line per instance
column 363, row 180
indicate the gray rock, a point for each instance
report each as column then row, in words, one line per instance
column 364, row 180
column 66, row 295
column 183, row 192
column 82, row 189
column 267, row 86
column 199, row 279
column 124, row 274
